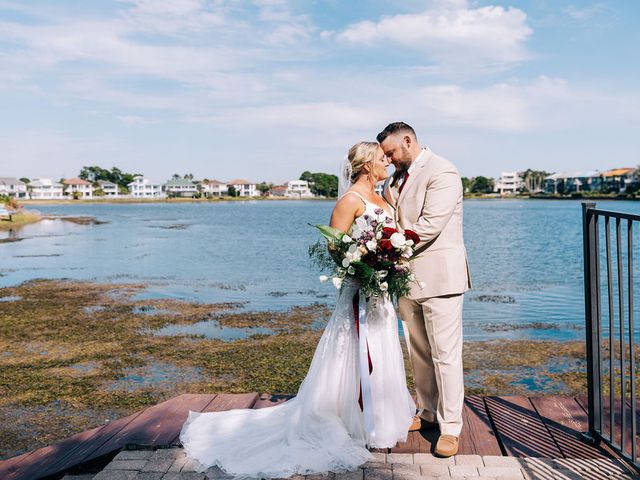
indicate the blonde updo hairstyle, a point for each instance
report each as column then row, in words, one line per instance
column 359, row 155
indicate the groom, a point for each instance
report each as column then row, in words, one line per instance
column 426, row 191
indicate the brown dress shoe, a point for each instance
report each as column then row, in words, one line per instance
column 416, row 424
column 447, row 446
column 420, row 423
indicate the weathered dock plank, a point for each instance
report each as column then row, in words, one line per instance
column 565, row 419
column 478, row 437
column 520, row 429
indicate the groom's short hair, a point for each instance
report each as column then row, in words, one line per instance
column 395, row 127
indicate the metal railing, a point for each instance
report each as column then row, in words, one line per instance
column 612, row 369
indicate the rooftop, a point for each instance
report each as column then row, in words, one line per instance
column 75, row 181
column 239, row 181
column 179, row 182
column 10, row 181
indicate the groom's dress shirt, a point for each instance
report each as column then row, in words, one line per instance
column 419, row 159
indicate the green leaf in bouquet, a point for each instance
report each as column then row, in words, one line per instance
column 330, row 233
column 363, row 271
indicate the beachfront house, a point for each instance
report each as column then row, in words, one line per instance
column 45, row 189
column 618, row 180
column 214, row 188
column 298, row 189
column 142, row 187
column 573, row 182
column 109, row 189
column 509, row 183
column 12, row 187
column 180, row 187
column 279, row 191
column 77, row 188
column 244, row 188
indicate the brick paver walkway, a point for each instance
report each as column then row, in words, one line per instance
column 172, row 464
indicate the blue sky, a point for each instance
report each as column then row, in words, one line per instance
column 266, row 89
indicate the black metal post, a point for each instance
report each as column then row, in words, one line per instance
column 591, row 300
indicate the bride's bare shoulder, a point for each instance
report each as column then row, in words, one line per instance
column 347, row 208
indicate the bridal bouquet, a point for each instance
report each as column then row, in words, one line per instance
column 375, row 255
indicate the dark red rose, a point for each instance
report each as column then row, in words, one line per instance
column 388, row 231
column 370, row 259
column 385, row 245
column 411, row 235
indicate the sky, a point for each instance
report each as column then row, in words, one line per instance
column 266, row 89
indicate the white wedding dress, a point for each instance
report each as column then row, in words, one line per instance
column 322, row 428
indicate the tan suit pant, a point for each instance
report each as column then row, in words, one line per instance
column 435, row 347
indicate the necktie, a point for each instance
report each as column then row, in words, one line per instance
column 404, row 182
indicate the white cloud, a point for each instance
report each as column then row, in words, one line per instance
column 450, row 33
column 173, row 16
column 584, row 13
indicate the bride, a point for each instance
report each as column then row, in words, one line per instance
column 323, row 428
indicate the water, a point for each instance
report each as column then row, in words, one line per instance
column 525, row 257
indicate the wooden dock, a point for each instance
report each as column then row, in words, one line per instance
column 508, row 426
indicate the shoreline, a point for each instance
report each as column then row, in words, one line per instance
column 19, row 220
column 77, row 354
column 134, row 201
column 94, row 201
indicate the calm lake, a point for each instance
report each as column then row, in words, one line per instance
column 525, row 257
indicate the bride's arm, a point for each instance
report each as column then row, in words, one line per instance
column 345, row 212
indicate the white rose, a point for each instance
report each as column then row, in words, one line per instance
column 384, row 286
column 323, row 278
column 410, row 243
column 397, row 240
column 371, row 245
column 346, row 262
column 352, row 248
column 347, row 239
column 356, row 256
column 337, row 282
column 407, row 252
column 351, row 271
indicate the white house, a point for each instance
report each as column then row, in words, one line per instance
column 180, row 187
column 142, row 187
column 244, row 188
column 12, row 187
column 508, row 183
column 76, row 187
column 298, row 189
column 109, row 189
column 214, row 188
column 45, row 189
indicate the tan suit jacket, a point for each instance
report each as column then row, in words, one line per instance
column 431, row 205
